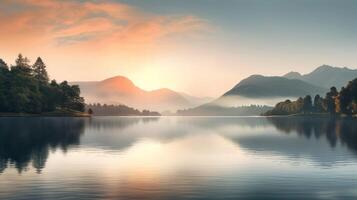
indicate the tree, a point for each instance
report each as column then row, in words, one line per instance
column 3, row 65
column 298, row 105
column 333, row 91
column 39, row 71
column 347, row 98
column 90, row 111
column 344, row 102
column 22, row 63
column 25, row 89
column 330, row 100
column 318, row 104
column 23, row 93
column 4, row 72
column 71, row 97
column 307, row 107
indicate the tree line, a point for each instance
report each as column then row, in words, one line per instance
column 334, row 102
column 117, row 110
column 25, row 88
column 215, row 110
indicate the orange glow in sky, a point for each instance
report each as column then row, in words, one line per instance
column 184, row 51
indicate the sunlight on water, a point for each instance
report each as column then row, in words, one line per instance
column 177, row 158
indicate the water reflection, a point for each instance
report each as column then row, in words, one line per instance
column 29, row 140
column 178, row 158
column 321, row 140
column 335, row 130
column 324, row 141
column 118, row 123
column 25, row 141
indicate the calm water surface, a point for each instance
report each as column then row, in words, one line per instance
column 178, row 158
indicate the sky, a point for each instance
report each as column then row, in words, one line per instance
column 200, row 47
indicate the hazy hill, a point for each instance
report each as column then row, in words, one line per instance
column 292, row 75
column 256, row 90
column 264, row 90
column 121, row 90
column 326, row 76
column 257, row 86
column 196, row 100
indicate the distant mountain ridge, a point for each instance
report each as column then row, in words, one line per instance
column 121, row 90
column 294, row 84
column 262, row 86
column 254, row 90
column 269, row 90
column 292, row 75
column 326, row 76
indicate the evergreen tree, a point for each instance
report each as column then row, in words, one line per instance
column 3, row 65
column 22, row 63
column 26, row 90
column 330, row 100
column 4, row 71
column 39, row 71
column 307, row 107
column 347, row 98
column 24, row 94
column 318, row 104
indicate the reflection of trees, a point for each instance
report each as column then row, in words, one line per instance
column 348, row 133
column 343, row 130
column 29, row 140
column 100, row 123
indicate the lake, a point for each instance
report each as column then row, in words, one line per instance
column 178, row 158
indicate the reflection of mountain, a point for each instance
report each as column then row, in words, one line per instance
column 118, row 123
column 119, row 133
column 29, row 140
column 321, row 140
column 25, row 141
column 121, row 90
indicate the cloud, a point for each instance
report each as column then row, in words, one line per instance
column 93, row 40
column 77, row 22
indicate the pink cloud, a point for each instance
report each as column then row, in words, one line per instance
column 73, row 22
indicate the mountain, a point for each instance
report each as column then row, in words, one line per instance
column 257, row 86
column 121, row 90
column 269, row 90
column 326, row 76
column 196, row 100
column 292, row 75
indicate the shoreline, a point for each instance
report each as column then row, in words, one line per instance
column 83, row 114
column 50, row 114
column 323, row 115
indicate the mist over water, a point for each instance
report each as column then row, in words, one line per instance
column 236, row 101
column 178, row 158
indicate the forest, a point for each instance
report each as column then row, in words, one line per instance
column 343, row 102
column 26, row 88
